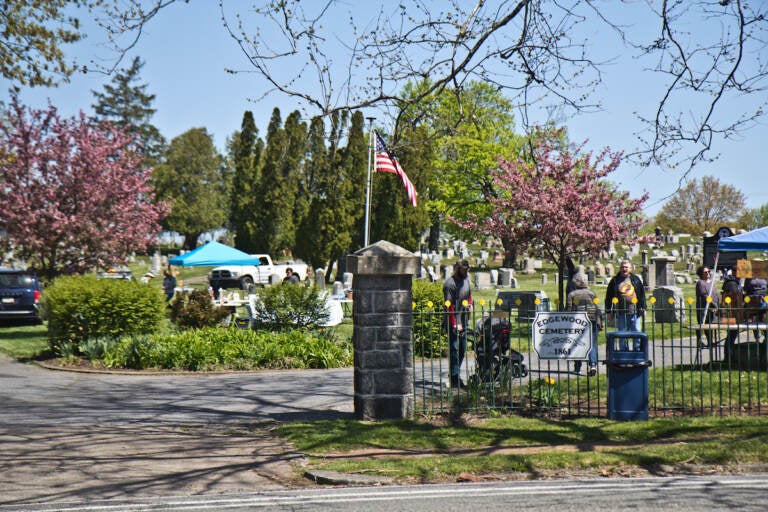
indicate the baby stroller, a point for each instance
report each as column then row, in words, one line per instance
column 493, row 353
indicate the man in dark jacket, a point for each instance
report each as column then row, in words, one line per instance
column 458, row 298
column 625, row 301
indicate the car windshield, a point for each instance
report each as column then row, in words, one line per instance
column 15, row 281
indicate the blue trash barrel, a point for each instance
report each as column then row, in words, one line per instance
column 627, row 375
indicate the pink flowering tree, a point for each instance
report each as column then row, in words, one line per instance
column 561, row 202
column 73, row 193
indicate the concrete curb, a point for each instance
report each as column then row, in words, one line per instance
column 326, row 477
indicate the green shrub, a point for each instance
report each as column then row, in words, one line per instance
column 235, row 349
column 83, row 308
column 429, row 337
column 288, row 307
column 195, row 309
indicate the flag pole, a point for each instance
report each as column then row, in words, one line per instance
column 368, row 184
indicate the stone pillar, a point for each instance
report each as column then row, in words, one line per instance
column 383, row 320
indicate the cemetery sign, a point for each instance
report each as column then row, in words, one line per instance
column 562, row 335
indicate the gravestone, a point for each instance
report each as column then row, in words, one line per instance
column 320, row 279
column 600, row 269
column 505, row 277
column 481, row 280
column 337, row 289
column 513, row 282
column 609, row 270
column 644, row 257
column 381, row 337
column 662, row 271
column 590, row 275
column 664, row 311
column 529, row 268
column 494, row 276
column 543, row 279
column 347, row 280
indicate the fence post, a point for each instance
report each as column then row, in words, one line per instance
column 383, row 320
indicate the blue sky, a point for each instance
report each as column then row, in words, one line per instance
column 186, row 50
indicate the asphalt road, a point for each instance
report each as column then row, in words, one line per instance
column 67, row 436
column 689, row 494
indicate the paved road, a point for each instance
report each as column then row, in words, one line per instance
column 68, row 436
column 684, row 494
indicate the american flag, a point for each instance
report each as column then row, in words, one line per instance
column 385, row 162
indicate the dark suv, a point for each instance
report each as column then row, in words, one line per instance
column 19, row 295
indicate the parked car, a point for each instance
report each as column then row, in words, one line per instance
column 247, row 276
column 19, row 295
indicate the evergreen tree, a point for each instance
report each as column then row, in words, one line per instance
column 325, row 236
column 246, row 156
column 192, row 180
column 129, row 106
column 280, row 176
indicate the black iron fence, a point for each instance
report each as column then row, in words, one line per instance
column 718, row 367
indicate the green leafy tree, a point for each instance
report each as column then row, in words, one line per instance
column 33, row 36
column 192, row 179
column 754, row 218
column 129, row 106
column 701, row 205
column 246, row 158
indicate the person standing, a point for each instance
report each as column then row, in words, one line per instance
column 756, row 289
column 584, row 299
column 169, row 285
column 290, row 277
column 625, row 301
column 458, row 298
column 705, row 309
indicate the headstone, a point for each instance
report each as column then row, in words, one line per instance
column 432, row 275
column 591, row 275
column 600, row 269
column 449, row 253
column 156, row 263
column 505, row 277
column 338, row 289
column 662, row 271
column 447, row 272
column 347, row 280
column 609, row 270
column 644, row 257
column 538, row 264
column 513, row 282
column 543, row 279
column 494, row 276
column 529, row 268
column 481, row 280
column 320, row 279
column 611, row 250
column 664, row 311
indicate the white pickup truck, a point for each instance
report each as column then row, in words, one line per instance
column 246, row 276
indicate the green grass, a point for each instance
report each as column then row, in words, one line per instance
column 434, row 451
column 23, row 341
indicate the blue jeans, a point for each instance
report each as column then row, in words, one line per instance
column 457, row 345
column 592, row 356
column 625, row 322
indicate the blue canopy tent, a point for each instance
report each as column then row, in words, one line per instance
column 213, row 254
column 756, row 240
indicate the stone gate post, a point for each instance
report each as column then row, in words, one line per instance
column 383, row 319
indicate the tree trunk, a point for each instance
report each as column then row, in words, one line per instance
column 190, row 241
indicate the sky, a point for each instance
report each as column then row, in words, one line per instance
column 186, row 51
